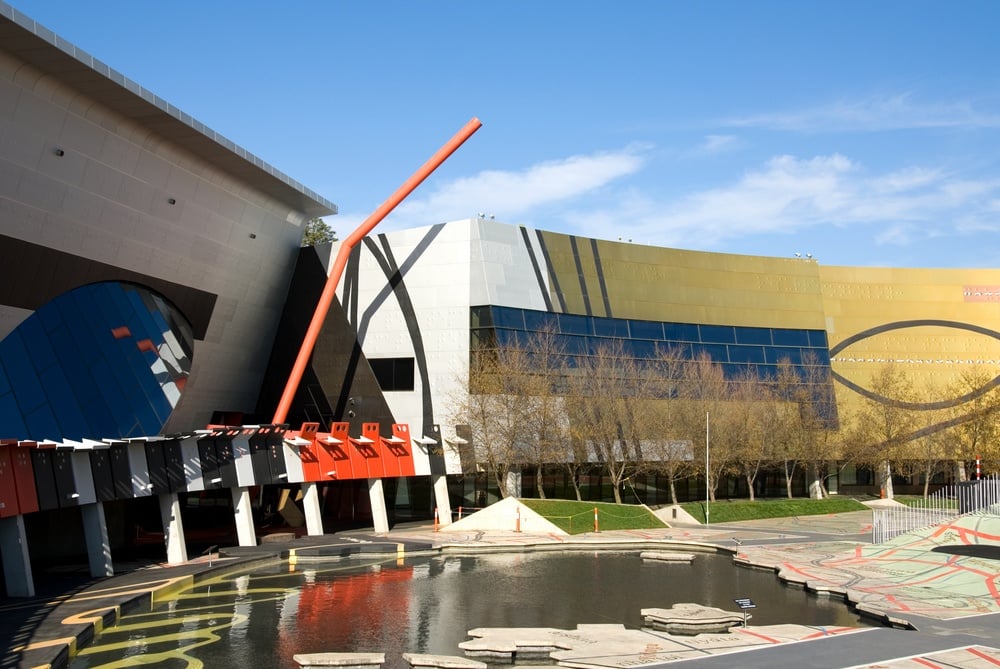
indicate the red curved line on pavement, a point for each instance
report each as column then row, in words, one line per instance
column 980, row 654
column 743, row 630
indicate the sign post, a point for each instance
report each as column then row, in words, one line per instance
column 745, row 603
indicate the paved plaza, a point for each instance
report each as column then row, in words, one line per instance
column 941, row 602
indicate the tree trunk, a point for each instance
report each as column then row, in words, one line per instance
column 816, row 488
column 539, row 482
column 961, row 472
column 673, row 492
column 887, row 479
column 750, row 489
column 618, row 491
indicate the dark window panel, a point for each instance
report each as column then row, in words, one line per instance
column 686, row 332
column 784, row 337
column 753, row 354
column 645, row 330
column 760, row 336
column 573, row 324
column 508, row 318
column 717, row 334
column 611, row 327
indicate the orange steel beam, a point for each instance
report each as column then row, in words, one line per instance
column 333, row 280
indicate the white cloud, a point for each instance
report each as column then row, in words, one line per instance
column 717, row 143
column 512, row 195
column 873, row 114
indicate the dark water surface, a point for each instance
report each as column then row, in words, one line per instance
column 427, row 605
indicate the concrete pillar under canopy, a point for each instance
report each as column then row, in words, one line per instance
column 244, row 517
column 441, row 501
column 311, row 508
column 380, row 515
column 95, row 532
column 16, row 561
column 173, row 528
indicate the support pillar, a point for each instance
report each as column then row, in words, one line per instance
column 380, row 516
column 312, row 510
column 244, row 517
column 95, row 532
column 441, row 500
column 173, row 528
column 16, row 562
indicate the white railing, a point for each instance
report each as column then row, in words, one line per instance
column 970, row 497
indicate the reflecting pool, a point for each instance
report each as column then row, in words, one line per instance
column 427, row 605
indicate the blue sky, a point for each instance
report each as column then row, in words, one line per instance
column 864, row 133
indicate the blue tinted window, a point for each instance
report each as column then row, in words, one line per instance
column 481, row 317
column 753, row 336
column 575, row 345
column 717, row 334
column 540, row 321
column 645, row 329
column 10, row 416
column 508, row 318
column 680, row 332
column 775, row 354
column 790, row 337
column 573, row 324
column 817, row 339
column 746, row 354
column 717, row 352
column 637, row 348
column 611, row 327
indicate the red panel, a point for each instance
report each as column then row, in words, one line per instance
column 309, row 454
column 371, row 448
column 24, row 476
column 359, row 463
column 339, row 454
column 8, row 486
column 404, row 451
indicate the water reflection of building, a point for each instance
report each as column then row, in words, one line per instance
column 152, row 285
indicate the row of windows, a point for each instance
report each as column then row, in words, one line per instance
column 622, row 328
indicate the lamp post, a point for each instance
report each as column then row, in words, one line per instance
column 708, row 481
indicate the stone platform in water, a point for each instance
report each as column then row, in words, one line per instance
column 667, row 556
column 341, row 660
column 689, row 619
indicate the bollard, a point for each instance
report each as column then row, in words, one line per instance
column 977, row 468
column 460, row 513
column 517, row 521
column 437, row 524
column 595, row 520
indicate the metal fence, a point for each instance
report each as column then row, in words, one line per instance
column 968, row 497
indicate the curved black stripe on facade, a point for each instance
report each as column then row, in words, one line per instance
column 600, row 278
column 552, row 273
column 915, row 406
column 580, row 275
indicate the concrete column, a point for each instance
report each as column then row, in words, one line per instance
column 380, row 516
column 441, row 501
column 95, row 531
column 16, row 562
column 173, row 528
column 244, row 517
column 311, row 508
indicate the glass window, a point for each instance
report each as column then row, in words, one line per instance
column 746, row 354
column 753, row 336
column 508, row 318
column 775, row 354
column 817, row 339
column 645, row 330
column 481, row 317
column 539, row 321
column 611, row 327
column 784, row 337
column 393, row 373
column 680, row 332
column 573, row 324
column 717, row 334
column 717, row 352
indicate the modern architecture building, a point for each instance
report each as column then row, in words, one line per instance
column 153, row 295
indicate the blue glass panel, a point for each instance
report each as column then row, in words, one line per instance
column 573, row 324
column 645, row 329
column 507, row 338
column 717, row 352
column 680, row 332
column 746, row 354
column 753, row 336
column 64, row 403
column 775, row 354
column 611, row 327
column 540, row 321
column 21, row 373
column 638, row 348
column 481, row 317
column 4, row 383
column 817, row 339
column 10, row 417
column 717, row 334
column 51, row 318
column 42, row 355
column 574, row 345
column 508, row 318
column 42, row 422
column 816, row 356
column 784, row 337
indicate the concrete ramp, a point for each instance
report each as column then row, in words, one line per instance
column 507, row 515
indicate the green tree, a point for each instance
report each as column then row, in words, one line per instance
column 317, row 232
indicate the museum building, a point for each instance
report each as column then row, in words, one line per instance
column 153, row 295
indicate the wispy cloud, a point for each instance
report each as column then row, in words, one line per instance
column 873, row 114
column 513, row 194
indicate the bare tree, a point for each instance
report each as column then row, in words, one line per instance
column 978, row 435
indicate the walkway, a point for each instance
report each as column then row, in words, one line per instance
column 951, row 600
